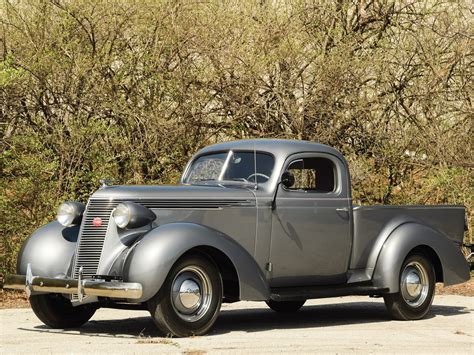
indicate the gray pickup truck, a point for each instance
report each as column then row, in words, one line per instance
column 262, row 220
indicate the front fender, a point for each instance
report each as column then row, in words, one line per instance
column 151, row 259
column 405, row 238
column 49, row 250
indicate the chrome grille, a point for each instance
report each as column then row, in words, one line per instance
column 91, row 238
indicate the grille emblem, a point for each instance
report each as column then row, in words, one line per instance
column 97, row 221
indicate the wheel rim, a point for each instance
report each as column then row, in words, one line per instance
column 414, row 284
column 191, row 293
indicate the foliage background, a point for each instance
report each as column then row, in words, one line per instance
column 130, row 89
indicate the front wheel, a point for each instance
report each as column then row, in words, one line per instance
column 56, row 311
column 190, row 299
column 417, row 286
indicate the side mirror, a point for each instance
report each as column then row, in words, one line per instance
column 287, row 179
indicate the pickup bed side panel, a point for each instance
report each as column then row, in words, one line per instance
column 150, row 261
column 405, row 238
column 372, row 224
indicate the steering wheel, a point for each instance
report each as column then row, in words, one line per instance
column 257, row 174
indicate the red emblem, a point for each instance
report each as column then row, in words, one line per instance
column 97, row 221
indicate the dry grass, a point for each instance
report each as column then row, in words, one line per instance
column 161, row 341
column 464, row 289
column 194, row 352
column 13, row 299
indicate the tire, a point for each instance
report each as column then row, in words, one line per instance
column 417, row 289
column 183, row 314
column 285, row 306
column 56, row 311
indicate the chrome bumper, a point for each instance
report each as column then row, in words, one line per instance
column 88, row 287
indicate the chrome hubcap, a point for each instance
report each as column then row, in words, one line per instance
column 191, row 293
column 414, row 284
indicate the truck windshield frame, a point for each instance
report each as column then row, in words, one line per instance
column 235, row 166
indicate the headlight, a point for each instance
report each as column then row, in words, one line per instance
column 132, row 215
column 70, row 213
column 121, row 215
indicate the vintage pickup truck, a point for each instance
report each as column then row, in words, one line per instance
column 262, row 220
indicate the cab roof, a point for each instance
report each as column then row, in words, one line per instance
column 280, row 148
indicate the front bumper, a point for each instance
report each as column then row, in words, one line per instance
column 88, row 287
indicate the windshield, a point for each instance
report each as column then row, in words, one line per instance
column 231, row 166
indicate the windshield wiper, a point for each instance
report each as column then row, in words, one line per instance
column 223, row 181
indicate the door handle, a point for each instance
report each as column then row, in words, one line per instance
column 342, row 209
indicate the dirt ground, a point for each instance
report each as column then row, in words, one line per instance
column 337, row 325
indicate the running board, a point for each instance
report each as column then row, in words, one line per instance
column 305, row 293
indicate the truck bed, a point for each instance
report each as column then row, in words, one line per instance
column 369, row 222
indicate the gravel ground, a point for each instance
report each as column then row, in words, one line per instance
column 338, row 325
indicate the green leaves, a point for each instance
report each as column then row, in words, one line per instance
column 9, row 74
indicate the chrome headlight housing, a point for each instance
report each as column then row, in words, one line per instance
column 132, row 215
column 122, row 215
column 70, row 213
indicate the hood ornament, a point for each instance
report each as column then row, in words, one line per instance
column 105, row 182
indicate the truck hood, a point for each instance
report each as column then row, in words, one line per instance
column 174, row 192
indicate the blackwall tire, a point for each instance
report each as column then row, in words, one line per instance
column 417, row 289
column 56, row 311
column 190, row 299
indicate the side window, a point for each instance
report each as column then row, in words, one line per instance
column 313, row 174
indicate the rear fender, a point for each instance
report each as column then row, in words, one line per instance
column 403, row 240
column 151, row 259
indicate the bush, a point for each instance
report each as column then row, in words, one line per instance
column 129, row 90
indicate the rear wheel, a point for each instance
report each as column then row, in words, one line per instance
column 417, row 286
column 56, row 311
column 189, row 301
column 285, row 306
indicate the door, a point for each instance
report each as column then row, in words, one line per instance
column 311, row 230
